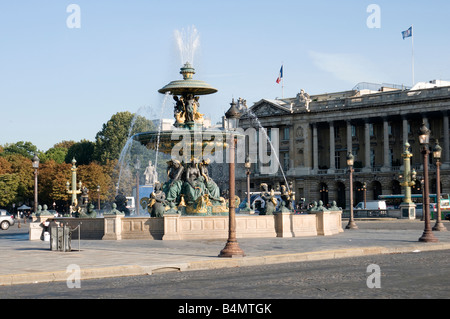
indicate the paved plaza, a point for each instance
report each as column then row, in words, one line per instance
column 25, row 261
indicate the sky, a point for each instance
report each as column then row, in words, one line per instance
column 64, row 72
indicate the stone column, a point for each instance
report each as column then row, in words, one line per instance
column 315, row 149
column 386, row 162
column 349, row 137
column 367, row 164
column 332, row 149
column 405, row 131
column 446, row 147
column 292, row 154
column 307, row 151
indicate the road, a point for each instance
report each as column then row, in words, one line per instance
column 407, row 276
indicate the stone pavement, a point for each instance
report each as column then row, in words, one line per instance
column 24, row 261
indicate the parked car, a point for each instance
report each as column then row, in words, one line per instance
column 6, row 219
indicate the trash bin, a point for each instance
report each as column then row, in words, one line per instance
column 61, row 238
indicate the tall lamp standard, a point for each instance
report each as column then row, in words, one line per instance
column 232, row 248
column 137, row 166
column 350, row 162
column 248, row 166
column 35, row 164
column 437, row 152
column 364, row 188
column 98, row 197
column 408, row 208
column 74, row 191
column 424, row 139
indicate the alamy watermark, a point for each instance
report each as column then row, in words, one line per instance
column 74, row 278
column 214, row 145
column 374, row 279
column 374, row 19
column 73, row 21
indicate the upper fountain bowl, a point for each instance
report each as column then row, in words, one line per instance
column 188, row 85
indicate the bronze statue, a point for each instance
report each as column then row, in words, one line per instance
column 158, row 202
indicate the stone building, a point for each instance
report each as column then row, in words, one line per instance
column 374, row 122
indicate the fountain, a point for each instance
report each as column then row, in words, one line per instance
column 189, row 189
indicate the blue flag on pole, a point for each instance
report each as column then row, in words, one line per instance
column 407, row 33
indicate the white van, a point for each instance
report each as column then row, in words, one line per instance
column 375, row 204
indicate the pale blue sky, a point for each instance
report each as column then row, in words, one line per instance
column 60, row 84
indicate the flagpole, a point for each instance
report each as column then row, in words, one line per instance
column 412, row 41
column 282, row 82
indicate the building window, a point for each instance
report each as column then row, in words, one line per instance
column 371, row 131
column 372, row 158
column 286, row 134
column 286, row 161
column 353, row 131
column 337, row 160
column 337, row 132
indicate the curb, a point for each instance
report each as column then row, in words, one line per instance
column 137, row 270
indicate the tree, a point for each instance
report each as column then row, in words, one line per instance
column 26, row 149
column 9, row 185
column 115, row 133
column 82, row 151
column 57, row 154
column 52, row 182
column 21, row 166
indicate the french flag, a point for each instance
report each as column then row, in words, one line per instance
column 280, row 76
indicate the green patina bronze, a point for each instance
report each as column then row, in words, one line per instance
column 189, row 189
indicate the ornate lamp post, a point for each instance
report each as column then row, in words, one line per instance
column 350, row 162
column 407, row 207
column 424, row 139
column 35, row 164
column 232, row 248
column 98, row 197
column 437, row 152
column 74, row 191
column 364, row 188
column 248, row 166
column 137, row 166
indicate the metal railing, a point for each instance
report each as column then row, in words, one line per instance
column 368, row 213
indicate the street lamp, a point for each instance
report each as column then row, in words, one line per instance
column 248, row 166
column 35, row 164
column 232, row 248
column 424, row 139
column 74, row 191
column 407, row 206
column 98, row 197
column 437, row 152
column 137, row 166
column 350, row 162
column 364, row 188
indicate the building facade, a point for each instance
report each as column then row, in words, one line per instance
column 317, row 132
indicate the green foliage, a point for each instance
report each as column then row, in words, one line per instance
column 97, row 162
column 9, row 185
column 82, row 151
column 57, row 154
column 112, row 138
column 26, row 149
